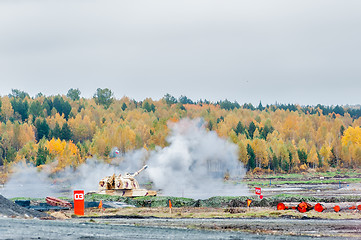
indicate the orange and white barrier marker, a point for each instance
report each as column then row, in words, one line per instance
column 78, row 202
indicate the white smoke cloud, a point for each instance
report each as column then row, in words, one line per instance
column 28, row 181
column 195, row 162
column 193, row 165
column 87, row 176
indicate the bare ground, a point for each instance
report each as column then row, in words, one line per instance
column 259, row 220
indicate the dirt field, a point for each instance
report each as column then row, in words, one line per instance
column 253, row 220
column 205, row 212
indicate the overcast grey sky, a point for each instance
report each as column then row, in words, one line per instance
column 303, row 52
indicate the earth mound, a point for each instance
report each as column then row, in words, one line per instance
column 10, row 209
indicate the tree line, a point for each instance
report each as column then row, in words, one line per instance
column 64, row 130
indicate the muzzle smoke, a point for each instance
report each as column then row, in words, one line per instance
column 27, row 181
column 193, row 165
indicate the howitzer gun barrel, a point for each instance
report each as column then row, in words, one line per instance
column 139, row 171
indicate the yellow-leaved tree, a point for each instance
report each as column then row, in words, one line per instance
column 260, row 150
column 65, row 152
column 352, row 135
column 325, row 153
column 243, row 155
column 351, row 142
column 6, row 108
column 312, row 157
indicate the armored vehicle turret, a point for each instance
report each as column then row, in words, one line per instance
column 124, row 185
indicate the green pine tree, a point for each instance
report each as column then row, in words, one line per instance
column 252, row 158
column 66, row 133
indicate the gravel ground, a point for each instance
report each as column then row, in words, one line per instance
column 348, row 229
column 180, row 228
column 140, row 229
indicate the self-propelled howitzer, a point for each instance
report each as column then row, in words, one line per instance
column 126, row 185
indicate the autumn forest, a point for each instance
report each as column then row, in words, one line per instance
column 65, row 130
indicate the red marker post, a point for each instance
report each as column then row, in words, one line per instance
column 258, row 191
column 78, row 202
